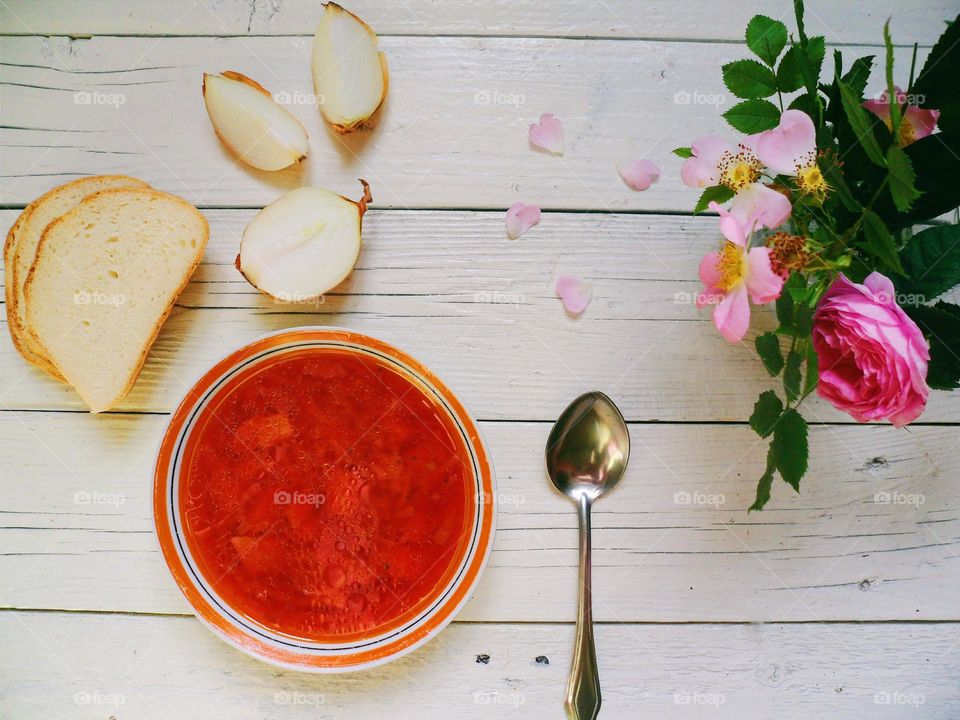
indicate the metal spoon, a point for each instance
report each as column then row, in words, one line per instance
column 587, row 452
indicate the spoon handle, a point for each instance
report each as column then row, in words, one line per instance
column 583, row 686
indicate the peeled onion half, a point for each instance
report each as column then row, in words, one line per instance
column 246, row 118
column 303, row 244
column 349, row 72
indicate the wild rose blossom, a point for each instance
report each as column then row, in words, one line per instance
column 915, row 122
column 872, row 357
column 734, row 273
column 713, row 162
column 791, row 149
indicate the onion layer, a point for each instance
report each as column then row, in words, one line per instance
column 303, row 244
column 245, row 117
column 349, row 72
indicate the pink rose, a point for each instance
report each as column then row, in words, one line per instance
column 872, row 357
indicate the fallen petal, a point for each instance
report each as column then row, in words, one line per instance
column 640, row 174
column 574, row 292
column 521, row 218
column 547, row 134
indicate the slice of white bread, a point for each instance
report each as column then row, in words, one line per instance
column 20, row 249
column 106, row 275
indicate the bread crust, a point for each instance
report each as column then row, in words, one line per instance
column 12, row 256
column 184, row 281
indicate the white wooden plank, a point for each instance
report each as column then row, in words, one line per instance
column 480, row 310
column 660, row 19
column 452, row 133
column 674, row 543
column 78, row 666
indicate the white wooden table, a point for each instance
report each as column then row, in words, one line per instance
column 827, row 603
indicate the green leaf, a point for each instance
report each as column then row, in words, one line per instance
column 784, row 304
column 766, row 482
column 749, row 79
column 862, row 123
column 714, row 193
column 813, row 370
column 858, row 75
column 791, row 375
column 683, row 152
column 891, row 91
column 902, row 178
column 753, row 116
column 938, row 85
column 789, row 77
column 789, row 447
column 768, row 348
column 932, row 261
column 766, row 38
column 879, row 241
column 936, row 162
column 766, row 412
column 940, row 323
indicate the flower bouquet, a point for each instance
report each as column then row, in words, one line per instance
column 834, row 214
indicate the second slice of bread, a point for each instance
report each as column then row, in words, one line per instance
column 105, row 277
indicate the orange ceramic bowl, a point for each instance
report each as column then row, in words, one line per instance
column 323, row 500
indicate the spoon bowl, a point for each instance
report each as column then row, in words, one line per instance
column 588, row 447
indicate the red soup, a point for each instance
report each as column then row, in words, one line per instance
column 326, row 496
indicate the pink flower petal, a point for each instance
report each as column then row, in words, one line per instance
column 701, row 169
column 732, row 229
column 521, row 218
column 923, row 122
column 574, row 292
column 762, row 282
column 760, row 205
column 789, row 146
column 640, row 174
column 732, row 315
column 547, row 134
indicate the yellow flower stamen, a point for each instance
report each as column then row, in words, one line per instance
column 731, row 265
column 737, row 170
column 810, row 179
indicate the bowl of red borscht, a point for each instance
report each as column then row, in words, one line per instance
column 323, row 500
